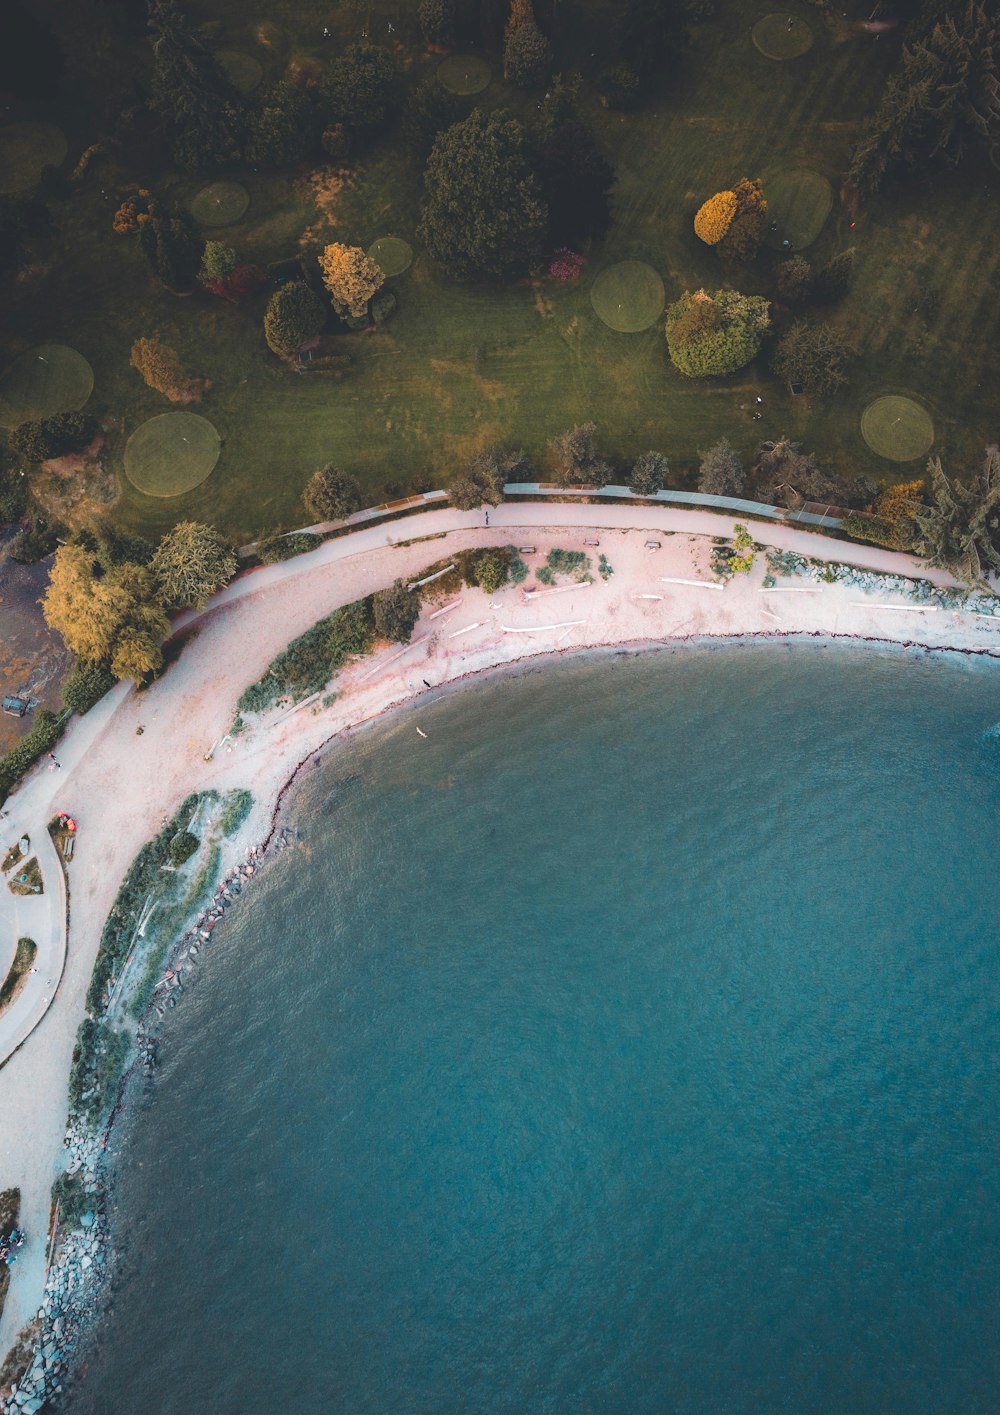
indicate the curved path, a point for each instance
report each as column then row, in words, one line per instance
column 121, row 784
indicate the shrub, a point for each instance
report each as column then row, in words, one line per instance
column 648, row 474
column 486, row 478
column 383, row 307
column 278, row 548
column 45, row 733
column 395, row 612
column 86, row 685
column 492, row 570
column 350, row 631
column 331, row 495
column 218, row 262
column 28, row 547
column 714, row 216
column 834, row 280
column 74, row 1199
column 741, row 239
column 235, row 811
column 98, row 1060
column 566, row 562
column 527, row 54
column 162, row 370
column 294, row 316
column 361, row 88
column 183, row 846
column 190, row 563
column 795, row 278
column 891, row 520
column 54, row 436
column 700, row 350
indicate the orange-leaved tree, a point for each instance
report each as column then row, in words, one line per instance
column 714, row 216
column 351, row 278
column 163, row 370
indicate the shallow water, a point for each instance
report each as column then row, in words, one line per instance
column 630, row 1044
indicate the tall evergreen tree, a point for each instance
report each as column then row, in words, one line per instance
column 960, row 530
column 191, row 93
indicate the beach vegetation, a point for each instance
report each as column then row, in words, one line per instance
column 74, row 1199
column 310, row 661
column 99, row 1057
column 604, row 568
column 190, row 563
column 235, row 809
column 492, row 570
column 395, row 612
column 518, row 569
column 331, row 495
column 182, row 847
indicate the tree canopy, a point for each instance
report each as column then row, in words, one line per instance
column 108, row 616
column 648, row 474
column 486, row 478
column 330, row 495
column 960, row 530
column 190, row 563
column 361, row 88
column 294, row 316
column 715, row 334
column 813, row 355
column 351, row 278
column 483, row 212
column 395, row 611
column 54, row 436
column 191, row 93
column 577, row 459
column 720, row 472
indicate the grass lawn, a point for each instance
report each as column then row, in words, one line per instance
column 461, row 366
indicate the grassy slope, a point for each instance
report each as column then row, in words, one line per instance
column 460, row 366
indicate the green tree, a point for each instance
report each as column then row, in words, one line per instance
column 190, row 563
column 430, row 109
column 294, row 316
column 720, row 472
column 55, row 436
column 437, row 20
column 622, row 88
column 960, row 530
column 483, row 212
column 86, row 685
column 715, row 334
column 395, row 611
column 576, row 459
column 284, row 128
column 795, row 279
column 362, row 88
column 813, row 355
column 527, row 54
column 648, row 474
column 330, row 495
column 943, row 99
column 191, row 93
column 171, row 243
column 486, row 478
column 218, row 261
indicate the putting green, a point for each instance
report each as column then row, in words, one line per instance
column 628, row 297
column 464, row 73
column 392, row 254
column 25, row 148
column 897, row 428
column 171, row 454
column 220, row 204
column 51, row 378
column 782, row 36
column 798, row 203
column 243, row 71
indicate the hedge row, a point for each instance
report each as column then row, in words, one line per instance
column 45, row 733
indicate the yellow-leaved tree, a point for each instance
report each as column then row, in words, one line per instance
column 714, row 216
column 351, row 278
column 113, row 618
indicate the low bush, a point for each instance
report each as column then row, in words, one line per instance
column 566, row 562
column 86, row 685
column 311, row 659
column 182, row 847
column 70, row 1192
column 98, row 1061
column 235, row 811
column 28, row 547
column 278, row 548
column 45, row 733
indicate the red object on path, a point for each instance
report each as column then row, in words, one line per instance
column 71, row 825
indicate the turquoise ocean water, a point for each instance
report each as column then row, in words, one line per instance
column 629, row 1044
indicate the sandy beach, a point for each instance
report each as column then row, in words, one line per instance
column 131, row 760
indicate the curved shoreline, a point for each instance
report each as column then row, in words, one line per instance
column 239, row 635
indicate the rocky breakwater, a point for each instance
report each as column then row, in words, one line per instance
column 78, row 1265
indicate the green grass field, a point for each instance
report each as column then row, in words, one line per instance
column 462, row 366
